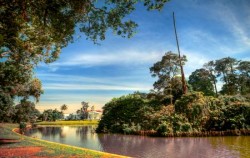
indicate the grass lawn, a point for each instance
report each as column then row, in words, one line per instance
column 40, row 148
column 76, row 122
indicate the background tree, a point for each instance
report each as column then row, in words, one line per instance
column 79, row 113
column 168, row 71
column 51, row 115
column 244, row 77
column 201, row 80
column 210, row 66
column 64, row 107
column 85, row 106
column 226, row 68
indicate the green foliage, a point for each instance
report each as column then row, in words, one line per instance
column 235, row 75
column 164, row 128
column 17, row 80
column 26, row 112
column 169, row 84
column 130, row 129
column 51, row 115
column 201, row 80
column 191, row 112
column 232, row 114
column 124, row 113
column 7, row 110
column 22, row 125
column 36, row 31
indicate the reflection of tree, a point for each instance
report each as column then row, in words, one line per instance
column 147, row 147
column 139, row 146
column 85, row 132
column 50, row 131
column 236, row 144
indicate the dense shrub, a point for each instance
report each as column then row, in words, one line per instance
column 121, row 113
column 193, row 112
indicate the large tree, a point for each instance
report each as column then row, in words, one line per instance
column 168, row 71
column 33, row 31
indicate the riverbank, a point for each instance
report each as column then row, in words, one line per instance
column 237, row 132
column 23, row 146
column 76, row 122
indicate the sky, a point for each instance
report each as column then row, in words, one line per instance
column 207, row 30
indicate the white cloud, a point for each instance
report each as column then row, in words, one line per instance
column 115, row 58
column 56, row 86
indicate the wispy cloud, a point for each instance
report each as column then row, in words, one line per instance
column 236, row 24
column 115, row 58
column 73, row 82
column 56, row 86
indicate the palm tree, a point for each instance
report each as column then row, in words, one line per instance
column 64, row 107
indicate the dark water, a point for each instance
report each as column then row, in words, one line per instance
column 147, row 147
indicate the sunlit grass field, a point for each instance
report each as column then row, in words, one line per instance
column 76, row 122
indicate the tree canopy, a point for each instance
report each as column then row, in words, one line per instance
column 35, row 31
column 201, row 80
column 234, row 74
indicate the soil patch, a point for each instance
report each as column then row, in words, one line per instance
column 20, row 152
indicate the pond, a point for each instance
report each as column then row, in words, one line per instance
column 146, row 147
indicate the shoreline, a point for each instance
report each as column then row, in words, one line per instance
column 237, row 132
column 65, row 145
column 46, row 148
column 65, row 122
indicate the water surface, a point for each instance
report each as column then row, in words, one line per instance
column 146, row 147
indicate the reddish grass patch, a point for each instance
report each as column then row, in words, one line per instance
column 6, row 141
column 20, row 152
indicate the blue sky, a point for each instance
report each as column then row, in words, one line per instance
column 207, row 30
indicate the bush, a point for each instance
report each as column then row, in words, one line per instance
column 186, row 127
column 233, row 114
column 122, row 114
column 164, row 128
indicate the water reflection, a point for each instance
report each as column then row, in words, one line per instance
column 146, row 147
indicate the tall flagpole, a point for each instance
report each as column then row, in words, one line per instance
column 184, row 86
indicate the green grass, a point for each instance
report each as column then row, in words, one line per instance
column 48, row 148
column 77, row 122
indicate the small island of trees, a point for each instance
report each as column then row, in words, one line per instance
column 203, row 110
